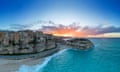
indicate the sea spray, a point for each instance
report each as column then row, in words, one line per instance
column 26, row 68
column 39, row 68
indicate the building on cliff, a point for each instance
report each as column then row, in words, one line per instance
column 26, row 41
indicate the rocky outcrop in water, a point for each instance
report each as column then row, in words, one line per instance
column 80, row 43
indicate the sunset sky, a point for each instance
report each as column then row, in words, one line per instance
column 76, row 18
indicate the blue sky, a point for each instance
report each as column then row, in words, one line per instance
column 85, row 12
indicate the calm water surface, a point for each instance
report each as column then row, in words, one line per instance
column 105, row 57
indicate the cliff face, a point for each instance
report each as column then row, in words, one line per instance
column 22, row 42
column 80, row 43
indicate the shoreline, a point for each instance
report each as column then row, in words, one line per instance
column 35, row 55
column 8, row 65
column 14, row 65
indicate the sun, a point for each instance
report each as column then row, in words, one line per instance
column 64, row 35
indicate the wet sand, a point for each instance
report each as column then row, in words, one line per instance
column 7, row 65
column 14, row 65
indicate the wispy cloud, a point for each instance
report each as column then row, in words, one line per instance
column 33, row 26
column 100, row 29
column 75, row 28
column 19, row 26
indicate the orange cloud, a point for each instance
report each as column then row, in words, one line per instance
column 67, row 32
column 71, row 30
column 75, row 31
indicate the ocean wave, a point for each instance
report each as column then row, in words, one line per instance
column 39, row 68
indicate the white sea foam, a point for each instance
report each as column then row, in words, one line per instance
column 39, row 68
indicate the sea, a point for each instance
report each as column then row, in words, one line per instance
column 104, row 57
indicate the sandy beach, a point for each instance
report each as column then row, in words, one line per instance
column 7, row 65
column 14, row 65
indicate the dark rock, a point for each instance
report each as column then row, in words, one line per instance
column 80, row 43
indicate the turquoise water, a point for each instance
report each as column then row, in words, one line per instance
column 105, row 57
